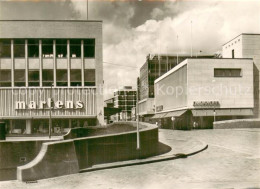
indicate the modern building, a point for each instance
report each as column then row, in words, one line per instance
column 154, row 67
column 198, row 91
column 50, row 69
column 246, row 45
column 124, row 99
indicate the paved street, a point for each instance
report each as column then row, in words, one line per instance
column 231, row 161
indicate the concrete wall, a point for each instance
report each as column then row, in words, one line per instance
column 240, row 123
column 69, row 156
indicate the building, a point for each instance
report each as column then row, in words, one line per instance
column 50, row 69
column 154, row 67
column 124, row 99
column 246, row 45
column 110, row 111
column 198, row 91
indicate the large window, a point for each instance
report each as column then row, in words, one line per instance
column 19, row 48
column 47, row 48
column 75, row 77
column 75, row 48
column 90, row 78
column 62, row 79
column 47, row 77
column 33, row 48
column 89, row 48
column 61, row 48
column 231, row 72
column 5, row 78
column 33, row 78
column 19, row 78
column 5, row 48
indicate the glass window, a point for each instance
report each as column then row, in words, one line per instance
column 75, row 77
column 5, row 78
column 62, row 79
column 19, row 48
column 33, row 48
column 90, row 77
column 19, row 78
column 5, row 48
column 75, row 48
column 33, row 78
column 89, row 48
column 47, row 48
column 61, row 48
column 47, row 77
column 230, row 72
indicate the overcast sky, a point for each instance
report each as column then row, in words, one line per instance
column 134, row 29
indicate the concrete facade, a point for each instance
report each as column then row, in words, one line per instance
column 86, row 86
column 246, row 46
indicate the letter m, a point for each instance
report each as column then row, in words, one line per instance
column 20, row 105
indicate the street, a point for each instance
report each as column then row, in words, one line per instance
column 232, row 160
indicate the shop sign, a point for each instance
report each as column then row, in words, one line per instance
column 209, row 104
column 49, row 104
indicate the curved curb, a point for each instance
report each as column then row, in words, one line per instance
column 142, row 161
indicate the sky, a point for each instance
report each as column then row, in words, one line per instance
column 133, row 29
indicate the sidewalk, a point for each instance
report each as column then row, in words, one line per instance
column 30, row 138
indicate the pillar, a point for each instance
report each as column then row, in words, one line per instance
column 28, row 126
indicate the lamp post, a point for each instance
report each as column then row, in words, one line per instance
column 50, row 120
column 137, row 117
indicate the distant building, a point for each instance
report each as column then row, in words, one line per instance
column 154, row 67
column 198, row 91
column 246, row 45
column 125, row 99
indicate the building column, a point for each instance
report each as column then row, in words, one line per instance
column 26, row 64
column 54, row 64
column 40, row 59
column 82, row 63
column 69, row 123
column 12, row 59
column 68, row 62
column 28, row 126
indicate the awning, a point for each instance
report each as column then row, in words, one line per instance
column 159, row 115
column 223, row 112
column 175, row 113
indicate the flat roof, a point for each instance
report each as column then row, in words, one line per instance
column 239, row 35
column 52, row 20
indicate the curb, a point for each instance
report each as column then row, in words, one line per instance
column 141, row 161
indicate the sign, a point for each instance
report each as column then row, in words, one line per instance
column 49, row 104
column 159, row 108
column 206, row 104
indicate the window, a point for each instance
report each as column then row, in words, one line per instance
column 62, row 79
column 5, row 78
column 90, row 77
column 33, row 78
column 19, row 48
column 233, row 53
column 19, row 78
column 89, row 48
column 75, row 48
column 33, row 48
column 231, row 72
column 61, row 48
column 5, row 48
column 47, row 77
column 75, row 77
column 47, row 48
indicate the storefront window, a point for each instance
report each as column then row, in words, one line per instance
column 19, row 78
column 33, row 78
column 75, row 48
column 47, row 77
column 89, row 75
column 5, row 78
column 19, row 48
column 75, row 77
column 5, row 48
column 33, row 48
column 62, row 79
column 89, row 48
column 18, row 127
column 47, row 48
column 61, row 48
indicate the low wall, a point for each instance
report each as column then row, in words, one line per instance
column 238, row 123
column 14, row 154
column 84, row 152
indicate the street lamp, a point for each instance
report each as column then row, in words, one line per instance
column 137, row 117
column 50, row 121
